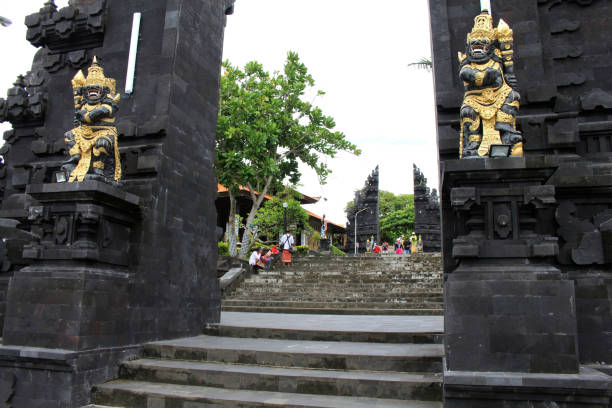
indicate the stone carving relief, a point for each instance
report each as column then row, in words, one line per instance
column 580, row 228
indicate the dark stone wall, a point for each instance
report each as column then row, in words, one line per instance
column 366, row 206
column 562, row 59
column 426, row 213
column 166, row 138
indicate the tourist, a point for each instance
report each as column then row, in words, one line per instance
column 255, row 261
column 287, row 245
column 413, row 242
column 385, row 247
column 399, row 250
column 267, row 258
column 377, row 249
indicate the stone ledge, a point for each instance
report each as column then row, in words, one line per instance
column 88, row 186
column 587, row 378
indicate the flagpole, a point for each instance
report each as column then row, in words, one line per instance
column 486, row 5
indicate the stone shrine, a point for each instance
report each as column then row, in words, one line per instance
column 96, row 268
column 526, row 240
column 426, row 212
column 366, row 209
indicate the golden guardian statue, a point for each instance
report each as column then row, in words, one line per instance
column 92, row 144
column 491, row 100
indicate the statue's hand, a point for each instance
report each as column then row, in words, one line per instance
column 80, row 116
column 98, row 113
column 512, row 81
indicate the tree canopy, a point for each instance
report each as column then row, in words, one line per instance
column 270, row 217
column 266, row 128
column 396, row 215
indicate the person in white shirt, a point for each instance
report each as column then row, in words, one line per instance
column 286, row 243
column 255, row 260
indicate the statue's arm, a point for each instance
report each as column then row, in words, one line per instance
column 468, row 75
column 476, row 78
column 102, row 111
column 510, row 76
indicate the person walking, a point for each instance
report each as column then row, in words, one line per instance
column 286, row 244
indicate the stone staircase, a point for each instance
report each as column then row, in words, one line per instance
column 276, row 360
column 338, row 345
column 351, row 284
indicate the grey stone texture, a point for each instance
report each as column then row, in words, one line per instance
column 284, row 369
column 542, row 219
column 110, row 267
column 427, row 217
column 366, row 206
column 344, row 284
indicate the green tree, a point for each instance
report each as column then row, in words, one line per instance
column 396, row 215
column 270, row 217
column 265, row 128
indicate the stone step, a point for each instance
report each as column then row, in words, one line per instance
column 341, row 291
column 343, row 296
column 100, row 406
column 354, row 299
column 343, row 280
column 349, row 286
column 423, row 358
column 343, row 277
column 374, row 329
column 328, row 310
column 413, row 304
column 140, row 394
column 425, row 387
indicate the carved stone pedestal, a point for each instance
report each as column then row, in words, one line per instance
column 68, row 311
column 512, row 337
column 325, row 245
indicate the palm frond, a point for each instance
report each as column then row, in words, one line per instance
column 5, row 22
column 423, row 63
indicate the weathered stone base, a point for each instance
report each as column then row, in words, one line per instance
column 589, row 388
column 511, row 322
column 68, row 307
column 594, row 315
column 53, row 378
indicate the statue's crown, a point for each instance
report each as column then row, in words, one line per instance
column 95, row 76
column 483, row 27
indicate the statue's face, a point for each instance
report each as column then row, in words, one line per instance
column 94, row 93
column 479, row 47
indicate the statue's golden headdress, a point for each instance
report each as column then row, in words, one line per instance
column 95, row 76
column 483, row 28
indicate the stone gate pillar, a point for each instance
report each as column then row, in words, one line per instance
column 111, row 267
column 528, row 286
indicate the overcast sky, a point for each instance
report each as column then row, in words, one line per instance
column 357, row 52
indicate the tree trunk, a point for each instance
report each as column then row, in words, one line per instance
column 231, row 226
column 246, row 236
column 257, row 200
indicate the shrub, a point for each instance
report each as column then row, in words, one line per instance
column 336, row 251
column 302, row 250
column 223, row 248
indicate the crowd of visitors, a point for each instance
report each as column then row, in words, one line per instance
column 403, row 245
column 259, row 261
